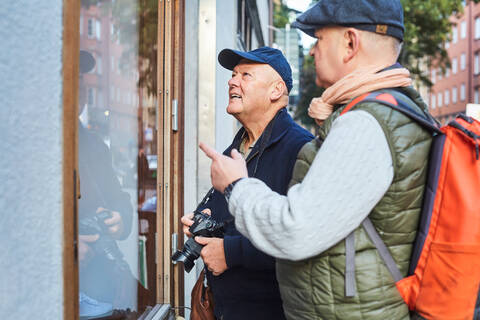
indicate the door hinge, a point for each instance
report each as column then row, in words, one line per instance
column 174, row 245
column 175, row 115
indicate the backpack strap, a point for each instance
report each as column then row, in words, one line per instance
column 350, row 284
column 399, row 102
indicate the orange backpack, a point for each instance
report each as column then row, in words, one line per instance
column 444, row 276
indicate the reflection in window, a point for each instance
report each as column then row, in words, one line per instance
column 90, row 28
column 117, row 145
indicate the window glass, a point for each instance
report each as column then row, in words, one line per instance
column 462, row 92
column 454, row 35
column 476, row 95
column 476, row 64
column 463, row 61
column 447, row 97
column 463, row 29
column 454, row 65
column 439, row 99
column 433, row 101
column 117, row 158
column 454, row 95
column 477, row 27
column 244, row 26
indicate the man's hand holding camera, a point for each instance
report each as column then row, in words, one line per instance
column 114, row 228
column 212, row 253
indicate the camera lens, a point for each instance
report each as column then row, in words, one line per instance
column 179, row 256
column 190, row 253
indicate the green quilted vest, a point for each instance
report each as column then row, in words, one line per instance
column 315, row 288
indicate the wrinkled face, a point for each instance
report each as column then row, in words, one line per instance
column 328, row 54
column 249, row 89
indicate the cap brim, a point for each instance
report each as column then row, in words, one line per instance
column 308, row 29
column 87, row 61
column 229, row 58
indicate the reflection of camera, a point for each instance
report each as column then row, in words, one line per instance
column 105, row 245
column 203, row 225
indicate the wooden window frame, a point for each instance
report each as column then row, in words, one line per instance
column 170, row 74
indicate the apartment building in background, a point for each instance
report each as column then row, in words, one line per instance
column 459, row 85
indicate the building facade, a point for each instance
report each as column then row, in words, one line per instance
column 459, row 85
column 104, row 103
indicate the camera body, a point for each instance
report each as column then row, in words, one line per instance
column 105, row 245
column 203, row 225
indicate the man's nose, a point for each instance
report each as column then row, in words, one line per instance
column 311, row 51
column 233, row 82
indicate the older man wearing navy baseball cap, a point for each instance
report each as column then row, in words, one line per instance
column 242, row 278
column 366, row 182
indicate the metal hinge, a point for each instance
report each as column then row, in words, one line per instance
column 156, row 247
column 174, row 245
column 175, row 115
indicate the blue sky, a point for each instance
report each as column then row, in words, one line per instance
column 301, row 5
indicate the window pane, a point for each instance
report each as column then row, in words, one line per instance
column 117, row 158
column 477, row 27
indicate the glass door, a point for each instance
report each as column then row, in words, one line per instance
column 118, row 148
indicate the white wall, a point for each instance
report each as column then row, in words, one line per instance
column 209, row 24
column 31, row 276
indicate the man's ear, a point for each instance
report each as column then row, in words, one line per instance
column 352, row 44
column 278, row 89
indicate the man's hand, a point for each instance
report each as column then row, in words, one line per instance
column 114, row 223
column 225, row 170
column 187, row 221
column 85, row 251
column 213, row 254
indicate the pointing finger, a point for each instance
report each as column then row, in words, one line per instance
column 209, row 152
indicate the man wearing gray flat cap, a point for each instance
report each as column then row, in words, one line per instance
column 365, row 182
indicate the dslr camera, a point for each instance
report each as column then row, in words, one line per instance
column 105, row 245
column 203, row 225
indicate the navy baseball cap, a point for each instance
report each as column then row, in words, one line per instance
column 379, row 16
column 229, row 58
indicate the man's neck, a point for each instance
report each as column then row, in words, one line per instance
column 255, row 128
column 254, row 131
